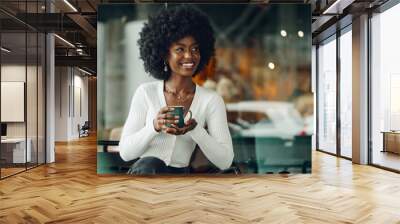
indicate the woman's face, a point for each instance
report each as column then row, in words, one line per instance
column 184, row 56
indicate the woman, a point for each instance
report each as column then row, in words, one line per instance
column 175, row 45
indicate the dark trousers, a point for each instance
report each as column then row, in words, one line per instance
column 153, row 165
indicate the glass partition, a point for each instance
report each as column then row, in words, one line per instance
column 385, row 89
column 22, row 90
column 31, row 100
column 346, row 93
column 15, row 151
column 41, row 91
column 327, row 95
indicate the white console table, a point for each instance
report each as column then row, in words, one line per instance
column 17, row 147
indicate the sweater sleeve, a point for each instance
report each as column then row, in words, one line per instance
column 216, row 144
column 136, row 134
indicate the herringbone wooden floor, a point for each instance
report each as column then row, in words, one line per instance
column 69, row 191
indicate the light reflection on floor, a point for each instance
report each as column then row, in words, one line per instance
column 386, row 159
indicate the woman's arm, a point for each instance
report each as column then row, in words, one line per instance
column 136, row 134
column 217, row 143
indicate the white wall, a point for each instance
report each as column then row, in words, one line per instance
column 61, row 103
column 33, row 126
column 71, row 87
column 16, row 73
column 79, row 117
column 12, row 73
column 12, row 101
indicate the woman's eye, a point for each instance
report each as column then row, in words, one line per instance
column 179, row 50
column 195, row 49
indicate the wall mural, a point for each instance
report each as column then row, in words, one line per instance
column 204, row 89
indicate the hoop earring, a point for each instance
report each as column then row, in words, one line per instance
column 165, row 67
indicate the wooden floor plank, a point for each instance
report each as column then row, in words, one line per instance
column 70, row 191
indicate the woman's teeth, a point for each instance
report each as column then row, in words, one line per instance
column 188, row 65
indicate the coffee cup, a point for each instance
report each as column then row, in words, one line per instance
column 179, row 111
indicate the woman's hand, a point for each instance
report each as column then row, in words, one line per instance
column 189, row 125
column 164, row 118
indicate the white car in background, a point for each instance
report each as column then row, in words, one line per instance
column 273, row 119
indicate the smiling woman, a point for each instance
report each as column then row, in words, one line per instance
column 166, row 30
column 175, row 45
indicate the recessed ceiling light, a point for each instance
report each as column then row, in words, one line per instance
column 84, row 71
column 300, row 33
column 271, row 65
column 70, row 5
column 283, row 33
column 5, row 50
column 65, row 41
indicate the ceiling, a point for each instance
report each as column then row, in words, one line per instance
column 76, row 23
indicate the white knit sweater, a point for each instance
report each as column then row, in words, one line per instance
column 139, row 139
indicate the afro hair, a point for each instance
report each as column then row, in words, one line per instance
column 168, row 26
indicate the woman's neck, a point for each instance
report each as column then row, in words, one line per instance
column 180, row 83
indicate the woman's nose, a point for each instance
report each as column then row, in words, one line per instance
column 188, row 54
